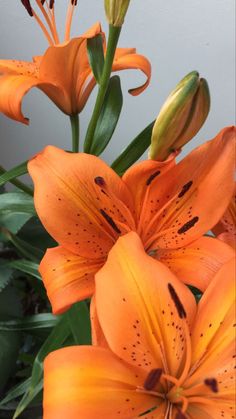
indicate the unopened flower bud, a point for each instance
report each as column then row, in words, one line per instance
column 116, row 11
column 181, row 116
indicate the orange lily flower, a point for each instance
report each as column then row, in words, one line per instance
column 68, row 89
column 225, row 229
column 86, row 206
column 164, row 357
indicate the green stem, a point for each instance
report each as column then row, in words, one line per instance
column 18, row 183
column 114, row 33
column 74, row 120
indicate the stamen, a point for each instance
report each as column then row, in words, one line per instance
column 201, row 400
column 188, row 225
column 69, row 16
column 150, row 392
column 152, row 177
column 212, row 383
column 27, row 5
column 152, row 379
column 48, row 20
column 180, row 415
column 51, row 4
column 42, row 26
column 185, row 189
column 110, row 221
column 179, row 306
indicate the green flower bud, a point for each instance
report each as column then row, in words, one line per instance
column 116, row 11
column 181, row 116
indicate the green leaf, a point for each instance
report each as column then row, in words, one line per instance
column 19, row 170
column 13, row 222
column 96, row 56
column 29, row 323
column 24, row 248
column 5, row 274
column 79, row 322
column 16, row 392
column 108, row 117
column 34, row 233
column 134, row 150
column 54, row 341
column 9, row 341
column 26, row 266
column 17, row 202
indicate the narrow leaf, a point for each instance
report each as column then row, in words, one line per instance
column 5, row 274
column 26, row 266
column 54, row 341
column 134, row 150
column 17, row 202
column 96, row 56
column 37, row 321
column 79, row 322
column 19, row 170
column 25, row 249
column 108, row 117
column 16, row 392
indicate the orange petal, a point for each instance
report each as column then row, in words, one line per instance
column 225, row 229
column 217, row 409
column 191, row 197
column 68, row 278
column 127, row 59
column 20, row 68
column 90, row 382
column 72, row 57
column 80, row 200
column 197, row 263
column 12, row 90
column 139, row 176
column 213, row 333
column 98, row 338
column 147, row 330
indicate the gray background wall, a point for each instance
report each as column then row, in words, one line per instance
column 177, row 36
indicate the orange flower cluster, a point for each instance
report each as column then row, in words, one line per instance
column 133, row 244
column 63, row 73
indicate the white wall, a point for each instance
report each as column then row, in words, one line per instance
column 177, row 36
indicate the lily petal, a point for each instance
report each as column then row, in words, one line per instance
column 98, row 338
column 213, row 333
column 68, row 278
column 139, row 176
column 225, row 229
column 80, row 201
column 127, row 59
column 72, row 57
column 90, row 382
column 190, row 198
column 197, row 263
column 12, row 90
column 147, row 330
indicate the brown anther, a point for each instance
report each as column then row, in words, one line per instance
column 110, row 221
column 212, row 383
column 152, row 379
column 27, row 5
column 99, row 181
column 74, row 2
column 179, row 306
column 51, row 4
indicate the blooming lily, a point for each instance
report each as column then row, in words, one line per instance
column 225, row 229
column 63, row 73
column 162, row 357
column 86, row 206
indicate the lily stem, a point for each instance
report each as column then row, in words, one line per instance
column 18, row 183
column 74, row 120
column 114, row 33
